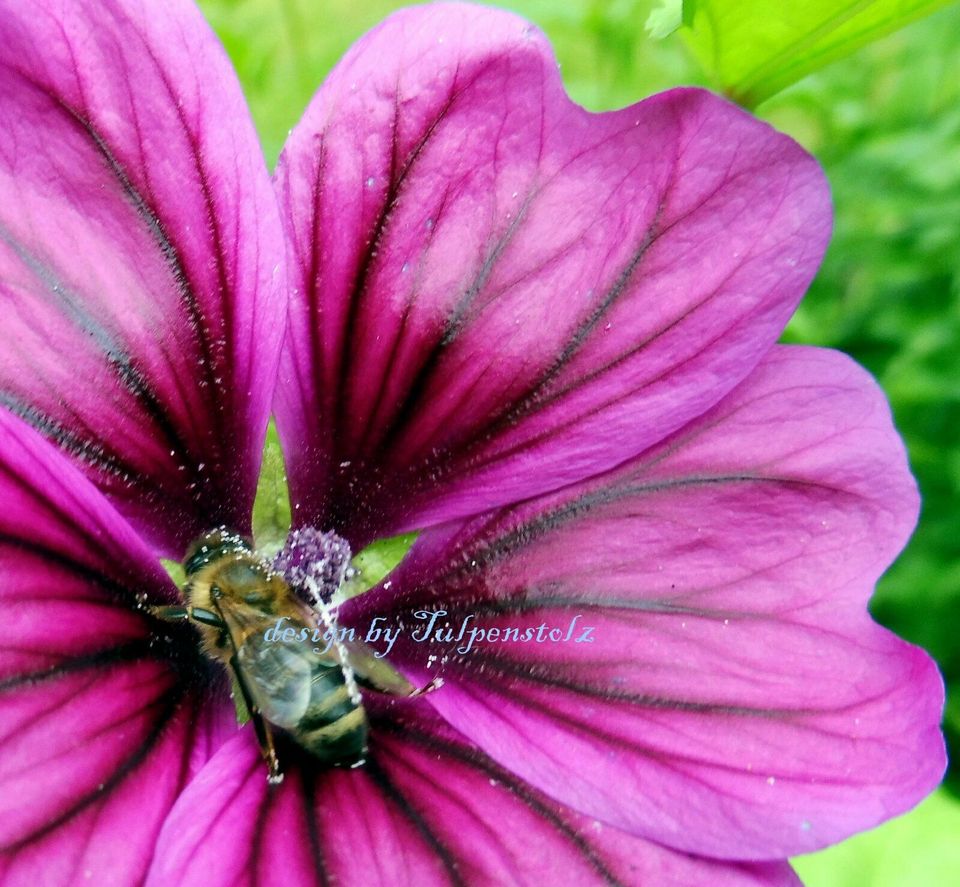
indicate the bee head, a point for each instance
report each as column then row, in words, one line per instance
column 245, row 581
column 212, row 547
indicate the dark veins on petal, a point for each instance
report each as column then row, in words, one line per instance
column 179, row 700
column 116, row 356
column 461, row 588
column 540, row 392
column 172, row 683
column 165, row 709
column 382, row 768
column 487, row 550
column 444, row 853
column 357, row 490
column 396, row 180
column 519, row 789
column 76, row 436
column 308, row 787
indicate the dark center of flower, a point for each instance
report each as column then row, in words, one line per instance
column 272, row 624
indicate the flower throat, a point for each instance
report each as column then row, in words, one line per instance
column 237, row 601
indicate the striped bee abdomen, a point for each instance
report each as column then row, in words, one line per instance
column 334, row 726
column 306, row 693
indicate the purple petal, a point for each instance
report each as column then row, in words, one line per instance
column 497, row 292
column 735, row 699
column 427, row 809
column 139, row 251
column 99, row 732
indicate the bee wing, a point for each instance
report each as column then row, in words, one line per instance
column 278, row 678
column 368, row 669
column 276, row 675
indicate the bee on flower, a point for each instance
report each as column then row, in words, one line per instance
column 541, row 338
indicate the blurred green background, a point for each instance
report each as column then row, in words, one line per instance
column 885, row 124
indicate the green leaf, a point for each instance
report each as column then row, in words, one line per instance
column 665, row 18
column 175, row 571
column 271, row 508
column 755, row 48
column 240, row 709
column 375, row 561
column 920, row 849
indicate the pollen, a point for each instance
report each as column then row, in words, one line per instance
column 314, row 564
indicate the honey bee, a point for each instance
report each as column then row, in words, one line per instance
column 234, row 598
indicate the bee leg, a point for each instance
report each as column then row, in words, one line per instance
column 194, row 614
column 372, row 672
column 260, row 727
column 267, row 748
column 434, row 684
column 392, row 683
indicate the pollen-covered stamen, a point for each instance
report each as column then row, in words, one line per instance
column 314, row 564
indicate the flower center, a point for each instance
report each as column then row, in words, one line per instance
column 314, row 564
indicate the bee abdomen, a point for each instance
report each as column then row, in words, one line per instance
column 334, row 727
column 344, row 742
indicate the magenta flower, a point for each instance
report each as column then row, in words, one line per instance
column 542, row 336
